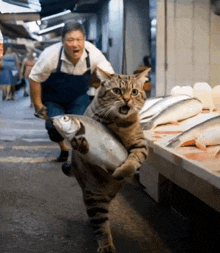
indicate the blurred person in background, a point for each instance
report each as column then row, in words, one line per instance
column 60, row 79
column 5, row 74
column 10, row 61
column 26, row 68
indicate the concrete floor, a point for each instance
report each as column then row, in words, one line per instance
column 42, row 210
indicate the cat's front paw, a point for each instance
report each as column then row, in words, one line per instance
column 80, row 144
column 123, row 171
column 106, row 249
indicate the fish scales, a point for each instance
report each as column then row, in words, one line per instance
column 206, row 133
column 176, row 112
column 105, row 150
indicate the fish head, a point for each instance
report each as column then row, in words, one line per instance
column 66, row 125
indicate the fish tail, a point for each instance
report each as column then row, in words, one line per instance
column 173, row 143
column 147, row 125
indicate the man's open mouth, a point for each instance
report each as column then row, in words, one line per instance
column 124, row 109
column 76, row 51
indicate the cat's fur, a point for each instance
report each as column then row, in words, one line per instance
column 116, row 105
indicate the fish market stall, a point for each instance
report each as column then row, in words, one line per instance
column 193, row 169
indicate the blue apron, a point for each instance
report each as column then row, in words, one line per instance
column 63, row 87
column 64, row 93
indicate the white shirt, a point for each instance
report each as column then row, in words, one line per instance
column 48, row 61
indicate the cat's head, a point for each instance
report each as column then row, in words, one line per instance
column 121, row 96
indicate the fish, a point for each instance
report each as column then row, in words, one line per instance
column 105, row 150
column 160, row 105
column 206, row 133
column 178, row 111
column 217, row 155
column 148, row 103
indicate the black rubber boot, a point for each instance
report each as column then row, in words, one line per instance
column 66, row 168
column 63, row 156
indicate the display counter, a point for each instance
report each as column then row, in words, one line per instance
column 190, row 168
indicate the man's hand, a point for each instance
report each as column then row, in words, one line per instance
column 41, row 113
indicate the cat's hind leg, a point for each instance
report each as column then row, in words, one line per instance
column 97, row 206
column 97, row 209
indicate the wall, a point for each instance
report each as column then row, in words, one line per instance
column 115, row 26
column 137, row 36
column 110, row 33
column 105, row 29
column 125, row 51
column 188, row 44
column 92, row 28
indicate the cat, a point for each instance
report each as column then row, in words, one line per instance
column 116, row 105
column 119, row 99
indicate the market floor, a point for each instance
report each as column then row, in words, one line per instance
column 42, row 211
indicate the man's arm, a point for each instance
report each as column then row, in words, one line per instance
column 36, row 94
column 35, row 90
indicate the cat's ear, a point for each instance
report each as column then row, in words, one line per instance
column 143, row 76
column 102, row 75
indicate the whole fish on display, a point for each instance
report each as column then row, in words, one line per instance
column 206, row 133
column 178, row 111
column 160, row 105
column 105, row 150
column 148, row 103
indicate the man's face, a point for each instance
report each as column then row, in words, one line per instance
column 73, row 44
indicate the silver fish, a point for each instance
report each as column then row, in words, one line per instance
column 178, row 111
column 104, row 149
column 160, row 105
column 206, row 133
column 148, row 103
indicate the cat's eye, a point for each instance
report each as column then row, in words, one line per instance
column 134, row 92
column 65, row 118
column 117, row 91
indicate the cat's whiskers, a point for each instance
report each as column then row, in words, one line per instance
column 102, row 112
column 99, row 112
column 107, row 112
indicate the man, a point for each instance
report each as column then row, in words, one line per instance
column 60, row 78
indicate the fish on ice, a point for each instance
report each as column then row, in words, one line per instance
column 178, row 111
column 105, row 150
column 206, row 133
column 160, row 105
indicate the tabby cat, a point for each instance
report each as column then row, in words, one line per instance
column 116, row 105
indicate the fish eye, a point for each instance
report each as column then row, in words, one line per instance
column 134, row 92
column 65, row 118
column 117, row 91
